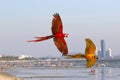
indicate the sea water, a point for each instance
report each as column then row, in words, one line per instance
column 67, row 73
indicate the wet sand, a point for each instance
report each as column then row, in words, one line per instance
column 6, row 76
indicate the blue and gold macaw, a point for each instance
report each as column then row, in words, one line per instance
column 89, row 53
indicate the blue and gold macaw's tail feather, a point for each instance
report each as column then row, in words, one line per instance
column 76, row 56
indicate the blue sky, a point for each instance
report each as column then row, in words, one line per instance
column 21, row 20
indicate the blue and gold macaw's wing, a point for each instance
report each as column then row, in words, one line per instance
column 61, row 45
column 76, row 56
column 56, row 24
column 90, row 53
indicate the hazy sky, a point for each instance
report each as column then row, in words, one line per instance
column 21, row 20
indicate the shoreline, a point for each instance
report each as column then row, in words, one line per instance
column 7, row 76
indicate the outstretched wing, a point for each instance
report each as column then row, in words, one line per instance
column 90, row 53
column 61, row 45
column 56, row 24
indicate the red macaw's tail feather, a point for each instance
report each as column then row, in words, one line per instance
column 76, row 56
column 41, row 38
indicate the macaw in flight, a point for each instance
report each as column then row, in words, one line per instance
column 89, row 53
column 57, row 35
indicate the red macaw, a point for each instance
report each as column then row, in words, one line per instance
column 89, row 54
column 57, row 35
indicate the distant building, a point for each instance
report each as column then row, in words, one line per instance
column 102, row 48
column 103, row 53
column 99, row 53
column 24, row 56
column 109, row 53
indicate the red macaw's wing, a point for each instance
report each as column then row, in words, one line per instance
column 56, row 24
column 90, row 53
column 61, row 45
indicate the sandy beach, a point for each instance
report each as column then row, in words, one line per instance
column 6, row 76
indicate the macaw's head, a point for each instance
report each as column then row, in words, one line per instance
column 66, row 35
column 96, row 57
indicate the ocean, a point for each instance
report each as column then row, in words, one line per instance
column 102, row 72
